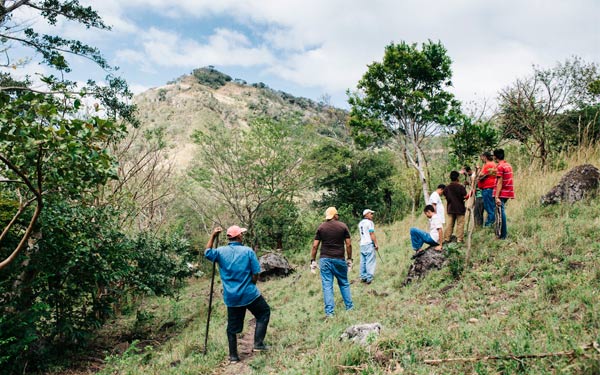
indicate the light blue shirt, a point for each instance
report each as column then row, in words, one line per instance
column 237, row 263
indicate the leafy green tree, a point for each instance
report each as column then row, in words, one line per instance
column 247, row 169
column 405, row 99
column 471, row 137
column 44, row 145
column 355, row 180
column 532, row 108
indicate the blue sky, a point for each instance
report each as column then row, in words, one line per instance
column 313, row 48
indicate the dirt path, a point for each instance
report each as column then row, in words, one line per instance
column 245, row 345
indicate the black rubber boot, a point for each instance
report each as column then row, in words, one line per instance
column 259, row 336
column 233, row 353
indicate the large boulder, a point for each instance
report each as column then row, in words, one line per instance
column 424, row 261
column 574, row 185
column 273, row 264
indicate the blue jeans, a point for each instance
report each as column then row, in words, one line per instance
column 503, row 230
column 418, row 237
column 488, row 205
column 367, row 262
column 337, row 268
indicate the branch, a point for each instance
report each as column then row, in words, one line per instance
column 569, row 353
column 13, row 7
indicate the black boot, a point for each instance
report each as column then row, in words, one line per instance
column 259, row 336
column 233, row 353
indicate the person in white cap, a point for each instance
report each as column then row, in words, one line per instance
column 368, row 247
column 333, row 235
column 239, row 269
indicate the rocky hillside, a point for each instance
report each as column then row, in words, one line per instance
column 207, row 96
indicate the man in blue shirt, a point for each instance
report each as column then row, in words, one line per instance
column 239, row 269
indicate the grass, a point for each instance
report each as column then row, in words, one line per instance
column 537, row 292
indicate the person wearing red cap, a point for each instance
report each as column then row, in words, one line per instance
column 239, row 269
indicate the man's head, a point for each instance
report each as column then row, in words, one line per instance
column 440, row 188
column 454, row 175
column 499, row 154
column 331, row 213
column 429, row 211
column 487, row 156
column 235, row 233
column 368, row 213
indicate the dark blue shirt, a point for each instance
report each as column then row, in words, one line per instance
column 237, row 263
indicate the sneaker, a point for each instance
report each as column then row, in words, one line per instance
column 261, row 348
column 363, row 280
column 234, row 359
column 368, row 282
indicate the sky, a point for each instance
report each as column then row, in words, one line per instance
column 321, row 48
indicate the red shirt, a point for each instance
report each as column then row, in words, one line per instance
column 505, row 171
column 489, row 181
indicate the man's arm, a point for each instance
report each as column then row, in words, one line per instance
column 313, row 252
column 349, row 248
column 497, row 192
column 213, row 235
column 374, row 239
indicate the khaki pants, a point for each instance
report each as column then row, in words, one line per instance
column 460, row 227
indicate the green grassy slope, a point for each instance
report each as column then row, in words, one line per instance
column 537, row 292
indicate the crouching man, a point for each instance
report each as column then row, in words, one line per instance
column 239, row 269
column 436, row 232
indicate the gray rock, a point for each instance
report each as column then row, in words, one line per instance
column 574, row 185
column 274, row 264
column 361, row 333
column 425, row 261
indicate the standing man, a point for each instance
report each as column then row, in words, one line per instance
column 455, row 194
column 504, row 187
column 486, row 183
column 436, row 232
column 368, row 247
column 435, row 200
column 333, row 235
column 239, row 269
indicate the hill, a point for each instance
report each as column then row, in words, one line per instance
column 535, row 294
column 207, row 96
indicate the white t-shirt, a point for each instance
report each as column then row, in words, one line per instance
column 434, row 224
column 365, row 228
column 439, row 206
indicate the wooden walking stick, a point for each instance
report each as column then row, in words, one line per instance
column 212, row 283
column 470, row 220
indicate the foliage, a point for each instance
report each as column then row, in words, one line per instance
column 532, row 109
column 405, row 99
column 356, row 180
column 246, row 169
column 471, row 137
column 211, row 77
column 83, row 266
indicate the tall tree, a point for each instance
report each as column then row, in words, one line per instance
column 405, row 99
column 44, row 145
column 246, row 169
column 531, row 108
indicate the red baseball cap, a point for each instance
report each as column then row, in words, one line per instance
column 234, row 231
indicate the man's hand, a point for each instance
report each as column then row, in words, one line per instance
column 498, row 202
column 349, row 263
column 313, row 266
column 216, row 231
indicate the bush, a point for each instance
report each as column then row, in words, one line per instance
column 211, row 77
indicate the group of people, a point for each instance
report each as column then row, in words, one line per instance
column 239, row 267
column 492, row 186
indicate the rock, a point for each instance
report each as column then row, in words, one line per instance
column 274, row 264
column 361, row 333
column 426, row 260
column 574, row 185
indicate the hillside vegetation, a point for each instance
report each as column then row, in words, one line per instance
column 537, row 292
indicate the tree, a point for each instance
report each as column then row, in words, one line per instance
column 355, row 180
column 471, row 138
column 531, row 109
column 246, row 169
column 44, row 145
column 404, row 98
